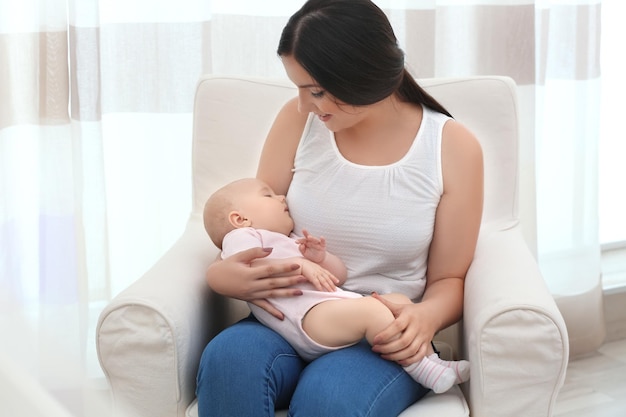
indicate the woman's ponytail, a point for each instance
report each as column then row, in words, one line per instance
column 411, row 92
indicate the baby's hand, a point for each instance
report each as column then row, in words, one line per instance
column 320, row 277
column 311, row 247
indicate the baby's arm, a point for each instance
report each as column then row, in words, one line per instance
column 320, row 277
column 314, row 249
column 321, row 274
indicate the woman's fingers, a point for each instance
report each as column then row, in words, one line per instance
column 395, row 308
column 272, row 287
column 395, row 330
column 402, row 341
column 420, row 353
column 403, row 354
column 393, row 339
column 275, row 270
column 267, row 306
column 249, row 255
column 248, row 281
column 404, row 350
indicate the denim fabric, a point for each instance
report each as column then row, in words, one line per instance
column 249, row 370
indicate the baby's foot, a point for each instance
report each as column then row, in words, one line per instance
column 460, row 368
column 433, row 375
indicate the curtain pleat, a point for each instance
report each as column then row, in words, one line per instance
column 568, row 167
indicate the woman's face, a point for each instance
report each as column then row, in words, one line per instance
column 312, row 98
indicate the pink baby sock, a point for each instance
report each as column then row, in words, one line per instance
column 460, row 368
column 433, row 375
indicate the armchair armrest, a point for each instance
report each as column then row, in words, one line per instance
column 515, row 336
column 151, row 336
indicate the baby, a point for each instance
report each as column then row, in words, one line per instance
column 246, row 214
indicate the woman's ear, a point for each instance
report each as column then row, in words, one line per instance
column 237, row 220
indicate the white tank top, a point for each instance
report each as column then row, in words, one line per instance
column 378, row 219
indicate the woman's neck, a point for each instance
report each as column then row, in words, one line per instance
column 383, row 136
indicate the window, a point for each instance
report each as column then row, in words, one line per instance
column 612, row 135
column 612, row 172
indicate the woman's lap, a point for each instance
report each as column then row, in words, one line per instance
column 354, row 382
column 248, row 369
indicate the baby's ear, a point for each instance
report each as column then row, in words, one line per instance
column 237, row 220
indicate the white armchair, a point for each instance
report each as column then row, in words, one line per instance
column 151, row 336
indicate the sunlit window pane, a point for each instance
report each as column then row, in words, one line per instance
column 612, row 133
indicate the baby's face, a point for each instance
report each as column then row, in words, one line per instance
column 265, row 209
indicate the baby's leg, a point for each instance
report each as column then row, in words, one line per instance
column 346, row 321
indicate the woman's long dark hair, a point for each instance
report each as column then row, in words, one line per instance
column 350, row 49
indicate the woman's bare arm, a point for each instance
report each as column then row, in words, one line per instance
column 279, row 151
column 457, row 225
column 236, row 276
column 451, row 251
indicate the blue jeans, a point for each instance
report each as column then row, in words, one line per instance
column 249, row 370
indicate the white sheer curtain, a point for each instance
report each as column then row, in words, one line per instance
column 94, row 148
column 552, row 50
column 95, row 122
column 567, row 138
column 95, row 145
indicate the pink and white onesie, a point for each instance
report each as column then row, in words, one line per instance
column 293, row 308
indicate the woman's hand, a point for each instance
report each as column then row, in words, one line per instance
column 408, row 338
column 238, row 277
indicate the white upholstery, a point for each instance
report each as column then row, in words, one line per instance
column 150, row 337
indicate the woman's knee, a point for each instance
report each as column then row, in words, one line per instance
column 247, row 347
column 354, row 382
column 248, row 361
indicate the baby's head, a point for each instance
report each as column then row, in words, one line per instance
column 248, row 202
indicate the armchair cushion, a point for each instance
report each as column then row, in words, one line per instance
column 150, row 337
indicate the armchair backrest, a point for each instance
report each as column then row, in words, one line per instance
column 233, row 115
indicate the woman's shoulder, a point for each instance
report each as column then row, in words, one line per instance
column 289, row 123
column 457, row 136
column 291, row 116
column 461, row 154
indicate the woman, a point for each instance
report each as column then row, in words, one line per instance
column 377, row 166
